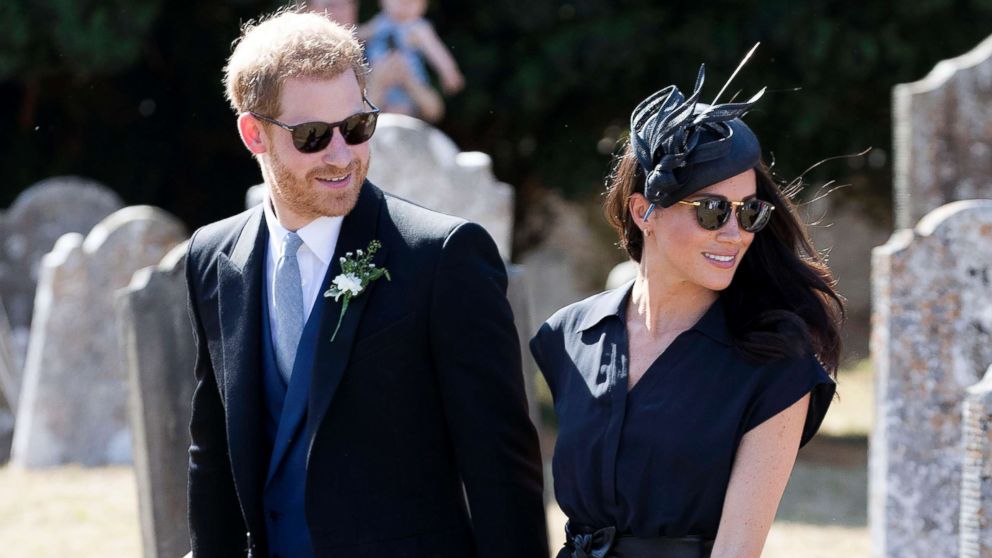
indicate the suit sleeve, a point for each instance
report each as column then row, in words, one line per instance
column 477, row 355
column 215, row 524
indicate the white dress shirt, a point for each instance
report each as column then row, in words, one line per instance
column 320, row 237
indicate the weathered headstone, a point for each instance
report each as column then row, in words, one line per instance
column 519, row 295
column 943, row 143
column 419, row 163
column 157, row 345
column 9, row 374
column 73, row 405
column 976, row 482
column 254, row 195
column 573, row 258
column 38, row 217
column 931, row 340
column 621, row 273
column 9, row 378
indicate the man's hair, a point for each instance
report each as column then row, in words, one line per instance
column 287, row 44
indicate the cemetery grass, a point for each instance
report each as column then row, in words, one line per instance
column 69, row 511
column 80, row 512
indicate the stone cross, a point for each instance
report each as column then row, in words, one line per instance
column 157, row 345
column 73, row 405
column 931, row 340
column 942, row 140
column 976, row 482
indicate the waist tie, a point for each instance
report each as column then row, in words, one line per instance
column 583, row 542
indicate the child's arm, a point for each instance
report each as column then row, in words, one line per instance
column 367, row 29
column 438, row 56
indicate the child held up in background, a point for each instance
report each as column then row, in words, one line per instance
column 344, row 12
column 398, row 41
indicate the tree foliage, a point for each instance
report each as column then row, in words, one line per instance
column 129, row 92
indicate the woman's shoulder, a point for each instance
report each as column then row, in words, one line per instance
column 588, row 311
column 795, row 374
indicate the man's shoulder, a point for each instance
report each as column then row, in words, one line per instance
column 216, row 238
column 418, row 222
column 222, row 234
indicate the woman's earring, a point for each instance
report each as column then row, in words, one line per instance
column 647, row 232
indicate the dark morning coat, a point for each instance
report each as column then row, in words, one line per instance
column 420, row 392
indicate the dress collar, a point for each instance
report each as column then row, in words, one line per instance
column 613, row 303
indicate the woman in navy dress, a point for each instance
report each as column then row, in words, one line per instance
column 683, row 396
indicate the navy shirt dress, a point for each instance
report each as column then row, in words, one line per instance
column 655, row 462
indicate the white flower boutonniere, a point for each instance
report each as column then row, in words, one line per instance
column 357, row 271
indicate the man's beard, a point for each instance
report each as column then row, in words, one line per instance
column 309, row 201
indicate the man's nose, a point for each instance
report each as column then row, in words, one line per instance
column 337, row 152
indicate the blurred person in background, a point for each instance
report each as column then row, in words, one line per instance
column 344, row 12
column 684, row 395
column 398, row 41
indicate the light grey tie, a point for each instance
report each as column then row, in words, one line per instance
column 289, row 305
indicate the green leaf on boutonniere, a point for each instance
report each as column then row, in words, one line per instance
column 357, row 271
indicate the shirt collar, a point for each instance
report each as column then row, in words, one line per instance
column 319, row 235
column 610, row 303
column 613, row 303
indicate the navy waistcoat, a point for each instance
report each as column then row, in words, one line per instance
column 283, row 497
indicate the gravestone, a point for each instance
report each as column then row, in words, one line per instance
column 9, row 374
column 254, row 196
column 942, row 140
column 621, row 273
column 8, row 404
column 574, row 257
column 73, row 405
column 417, row 162
column 159, row 353
column 38, row 217
column 518, row 292
column 976, row 482
column 931, row 340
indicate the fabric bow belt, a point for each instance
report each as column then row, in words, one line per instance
column 582, row 542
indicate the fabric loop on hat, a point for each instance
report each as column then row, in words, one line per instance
column 683, row 145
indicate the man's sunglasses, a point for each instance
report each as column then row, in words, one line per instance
column 713, row 213
column 311, row 137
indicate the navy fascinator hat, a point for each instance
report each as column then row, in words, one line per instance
column 683, row 145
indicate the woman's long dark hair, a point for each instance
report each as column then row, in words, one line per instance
column 781, row 301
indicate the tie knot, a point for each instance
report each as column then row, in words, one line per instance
column 290, row 244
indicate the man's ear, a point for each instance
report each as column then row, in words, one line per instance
column 251, row 133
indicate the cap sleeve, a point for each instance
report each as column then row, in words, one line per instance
column 787, row 382
column 542, row 347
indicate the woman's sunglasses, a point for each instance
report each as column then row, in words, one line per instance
column 713, row 213
column 311, row 137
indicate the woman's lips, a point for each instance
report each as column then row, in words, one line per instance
column 723, row 261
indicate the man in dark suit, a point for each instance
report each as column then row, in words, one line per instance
column 389, row 421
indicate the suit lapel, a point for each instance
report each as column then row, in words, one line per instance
column 331, row 358
column 240, row 298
